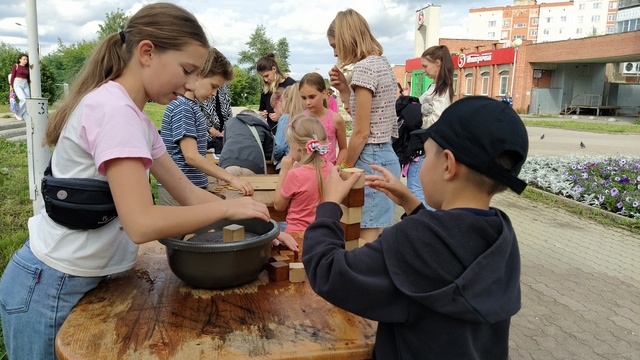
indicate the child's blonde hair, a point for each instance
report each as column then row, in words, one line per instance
column 353, row 38
column 292, row 101
column 167, row 26
column 216, row 64
column 277, row 95
column 302, row 129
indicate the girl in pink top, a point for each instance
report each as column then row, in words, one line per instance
column 301, row 179
column 313, row 91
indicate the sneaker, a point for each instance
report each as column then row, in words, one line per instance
column 18, row 117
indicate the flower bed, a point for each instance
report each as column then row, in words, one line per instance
column 606, row 182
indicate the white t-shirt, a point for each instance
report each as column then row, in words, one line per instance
column 105, row 125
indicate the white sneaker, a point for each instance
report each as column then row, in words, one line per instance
column 18, row 117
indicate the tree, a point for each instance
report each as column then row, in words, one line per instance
column 66, row 61
column 115, row 21
column 243, row 88
column 259, row 45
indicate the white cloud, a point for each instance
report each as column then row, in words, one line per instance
column 229, row 24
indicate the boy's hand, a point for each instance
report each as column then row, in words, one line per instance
column 242, row 185
column 335, row 189
column 390, row 186
column 287, row 240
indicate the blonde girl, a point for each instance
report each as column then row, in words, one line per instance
column 291, row 106
column 371, row 93
column 272, row 78
column 101, row 132
column 300, row 183
column 313, row 91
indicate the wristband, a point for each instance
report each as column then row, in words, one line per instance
column 344, row 165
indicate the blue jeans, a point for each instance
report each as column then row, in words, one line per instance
column 35, row 300
column 21, row 88
column 378, row 209
column 413, row 181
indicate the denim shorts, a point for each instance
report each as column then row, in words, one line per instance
column 378, row 210
column 35, row 299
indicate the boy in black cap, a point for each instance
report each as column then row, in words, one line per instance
column 443, row 284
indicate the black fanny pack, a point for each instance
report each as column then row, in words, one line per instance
column 77, row 203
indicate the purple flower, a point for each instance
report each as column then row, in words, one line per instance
column 638, row 178
column 614, row 192
column 635, row 204
column 617, row 178
column 600, row 198
column 620, row 205
column 624, row 180
column 623, row 161
column 573, row 167
column 585, row 175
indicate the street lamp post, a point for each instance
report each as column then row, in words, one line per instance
column 515, row 44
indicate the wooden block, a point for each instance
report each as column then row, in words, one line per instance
column 233, row 232
column 353, row 244
column 280, row 258
column 290, row 254
column 278, row 271
column 351, row 231
column 296, row 272
column 346, row 173
column 351, row 215
column 188, row 236
column 355, row 198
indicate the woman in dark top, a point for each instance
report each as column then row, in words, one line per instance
column 19, row 82
column 272, row 78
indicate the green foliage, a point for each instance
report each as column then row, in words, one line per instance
column 66, row 61
column 115, row 21
column 245, row 89
column 619, row 128
column 259, row 45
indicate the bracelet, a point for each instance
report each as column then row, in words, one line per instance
column 344, row 165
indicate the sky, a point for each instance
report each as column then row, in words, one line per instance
column 230, row 23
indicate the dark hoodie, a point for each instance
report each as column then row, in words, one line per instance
column 442, row 285
column 240, row 146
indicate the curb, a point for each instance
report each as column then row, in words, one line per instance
column 574, row 203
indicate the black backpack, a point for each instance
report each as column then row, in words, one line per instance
column 409, row 119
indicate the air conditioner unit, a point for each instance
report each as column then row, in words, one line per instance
column 630, row 68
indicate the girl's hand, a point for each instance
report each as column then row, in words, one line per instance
column 264, row 113
column 287, row 240
column 245, row 208
column 389, row 185
column 287, row 163
column 245, row 188
column 335, row 189
column 338, row 80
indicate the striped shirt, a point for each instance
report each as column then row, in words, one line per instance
column 183, row 118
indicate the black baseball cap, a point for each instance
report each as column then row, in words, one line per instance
column 477, row 130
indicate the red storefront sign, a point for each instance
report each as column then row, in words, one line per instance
column 484, row 58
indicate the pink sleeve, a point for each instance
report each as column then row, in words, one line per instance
column 290, row 184
column 110, row 132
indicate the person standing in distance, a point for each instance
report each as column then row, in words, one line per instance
column 272, row 78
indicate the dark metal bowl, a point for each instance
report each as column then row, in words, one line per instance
column 222, row 265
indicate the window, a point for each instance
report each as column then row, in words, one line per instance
column 611, row 18
column 580, row 19
column 534, row 21
column 504, row 82
column 455, row 84
column 597, row 5
column 491, row 34
column 469, row 85
column 548, row 19
column 578, row 31
column 581, row 6
column 518, row 37
column 492, row 23
column 563, row 19
column 505, row 34
column 595, row 18
column 506, row 23
column 561, row 30
column 546, row 31
column 520, row 25
column 485, row 84
column 613, row 5
column 610, row 30
column 534, row 32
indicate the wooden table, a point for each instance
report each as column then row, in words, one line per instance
column 148, row 313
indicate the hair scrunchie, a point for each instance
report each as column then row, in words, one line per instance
column 314, row 145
